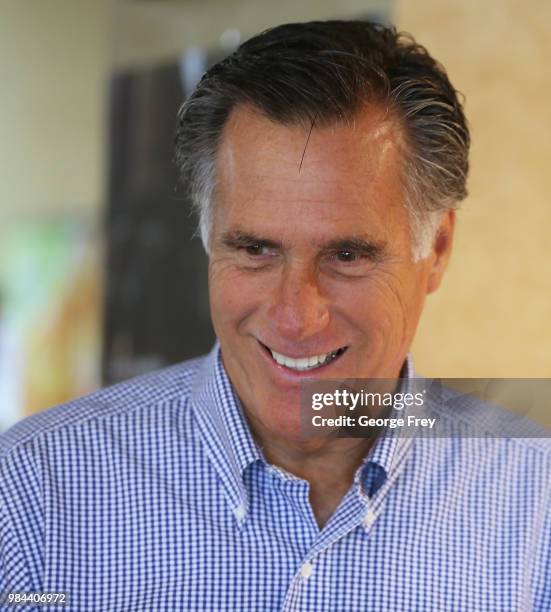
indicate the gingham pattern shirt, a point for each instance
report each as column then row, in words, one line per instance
column 152, row 495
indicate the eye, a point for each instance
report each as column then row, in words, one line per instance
column 256, row 248
column 350, row 261
column 347, row 256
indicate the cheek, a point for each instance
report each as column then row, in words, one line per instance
column 370, row 297
column 380, row 306
column 232, row 296
column 404, row 301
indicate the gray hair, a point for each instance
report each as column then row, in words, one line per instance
column 327, row 72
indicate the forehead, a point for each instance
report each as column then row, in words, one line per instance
column 373, row 134
column 351, row 169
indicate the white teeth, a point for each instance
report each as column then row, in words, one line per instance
column 290, row 363
column 303, row 363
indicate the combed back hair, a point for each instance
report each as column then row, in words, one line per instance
column 324, row 73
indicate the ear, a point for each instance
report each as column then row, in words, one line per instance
column 441, row 250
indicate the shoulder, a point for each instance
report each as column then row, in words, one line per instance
column 129, row 399
column 465, row 417
column 484, row 455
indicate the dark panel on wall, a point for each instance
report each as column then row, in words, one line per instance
column 156, row 302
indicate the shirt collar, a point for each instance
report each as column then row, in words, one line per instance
column 233, row 417
column 388, row 451
column 226, row 436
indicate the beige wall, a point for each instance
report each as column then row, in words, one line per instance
column 492, row 317
column 54, row 57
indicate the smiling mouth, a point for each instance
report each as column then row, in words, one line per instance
column 304, row 364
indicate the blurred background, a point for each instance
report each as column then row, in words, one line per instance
column 100, row 276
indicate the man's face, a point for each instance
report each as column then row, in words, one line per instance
column 310, row 272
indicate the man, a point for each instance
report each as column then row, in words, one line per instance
column 326, row 161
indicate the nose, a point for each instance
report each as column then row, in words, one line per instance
column 298, row 309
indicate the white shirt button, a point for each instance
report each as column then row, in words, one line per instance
column 239, row 512
column 369, row 519
column 306, row 570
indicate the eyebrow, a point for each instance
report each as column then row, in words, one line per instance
column 375, row 250
column 236, row 239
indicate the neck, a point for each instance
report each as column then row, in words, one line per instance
column 340, row 455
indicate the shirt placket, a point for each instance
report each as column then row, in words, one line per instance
column 357, row 510
column 307, row 588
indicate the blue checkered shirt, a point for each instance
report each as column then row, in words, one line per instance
column 152, row 495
